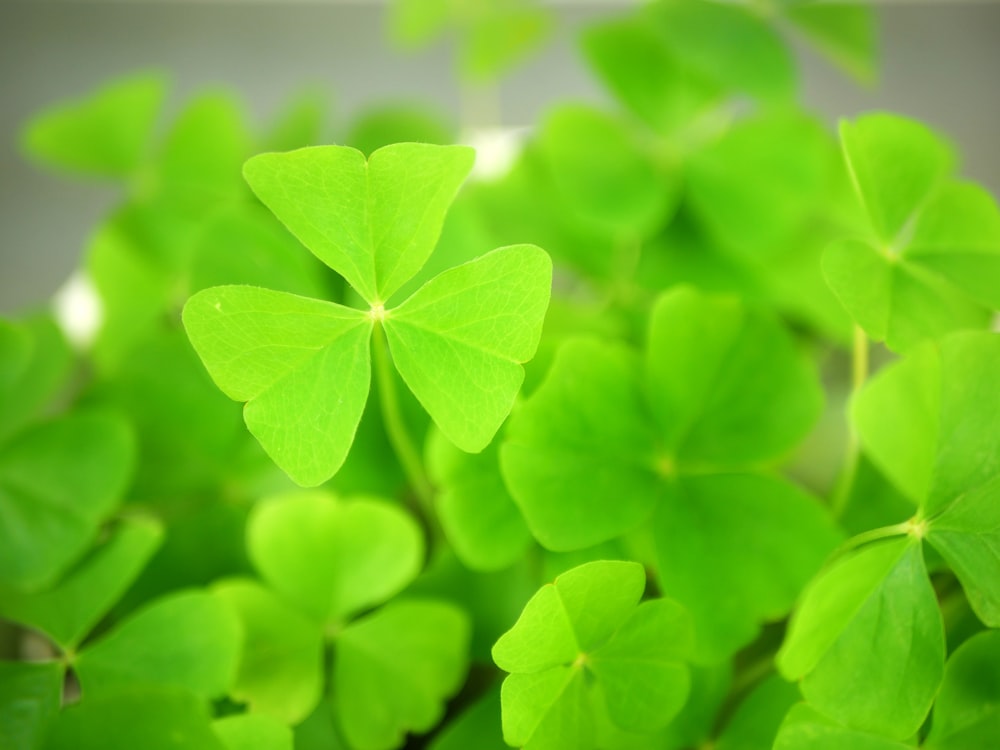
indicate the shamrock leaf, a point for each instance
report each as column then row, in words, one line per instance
column 280, row 670
column 330, row 558
column 804, row 728
column 105, row 134
column 943, row 453
column 933, row 264
column 189, row 639
column 68, row 611
column 58, row 481
column 843, row 641
column 253, row 732
column 756, row 720
column 150, row 717
column 586, row 638
column 30, row 694
column 302, row 364
column 395, row 668
column 606, row 442
column 966, row 713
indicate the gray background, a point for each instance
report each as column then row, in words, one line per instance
column 940, row 62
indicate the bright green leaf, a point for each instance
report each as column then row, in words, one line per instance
column 497, row 39
column 58, row 481
column 579, row 455
column 736, row 550
column 807, row 729
column 190, row 640
column 331, row 558
column 302, row 364
column 394, row 669
column 844, row 640
column 477, row 513
column 896, row 164
column 105, row 134
column 477, row 726
column 153, row 718
column 547, row 710
column 15, row 352
column 755, row 722
column 375, row 222
column 967, row 711
column 726, row 383
column 30, row 695
column 460, row 340
column 843, row 31
column 68, row 611
column 280, row 668
column 253, row 732
column 598, row 165
column 299, row 124
column 397, row 123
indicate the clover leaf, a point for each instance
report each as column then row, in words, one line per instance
column 932, row 262
column 805, row 728
column 967, row 710
column 30, row 695
column 303, row 365
column 680, row 438
column 586, row 638
column 843, row 640
column 253, row 732
column 941, row 450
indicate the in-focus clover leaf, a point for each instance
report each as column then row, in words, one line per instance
column 68, row 611
column 458, row 341
column 598, row 447
column 189, row 640
column 943, row 453
column 153, row 718
column 331, row 558
column 253, row 732
column 477, row 513
column 58, row 482
column 934, row 265
column 30, row 695
column 301, row 364
column 967, row 710
column 844, row 640
column 394, row 670
column 805, row 728
column 280, row 668
column 106, row 134
column 586, row 638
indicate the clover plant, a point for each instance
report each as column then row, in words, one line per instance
column 680, row 433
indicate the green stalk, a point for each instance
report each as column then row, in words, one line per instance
column 395, row 427
column 859, row 374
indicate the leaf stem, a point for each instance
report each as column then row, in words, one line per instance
column 859, row 374
column 395, row 426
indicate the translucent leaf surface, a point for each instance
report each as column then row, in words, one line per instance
column 302, row 364
column 844, row 639
column 253, row 732
column 30, row 696
column 579, row 455
column 460, row 340
column 189, row 640
column 736, row 550
column 105, row 134
column 333, row 558
column 153, row 718
column 477, row 513
column 375, row 222
column 967, row 711
column 58, row 481
column 68, row 611
column 280, row 671
column 395, row 668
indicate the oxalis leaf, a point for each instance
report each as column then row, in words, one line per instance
column 932, row 264
column 303, row 365
column 942, row 451
column 586, row 638
column 967, row 711
column 609, row 440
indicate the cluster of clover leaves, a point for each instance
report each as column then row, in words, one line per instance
column 645, row 456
